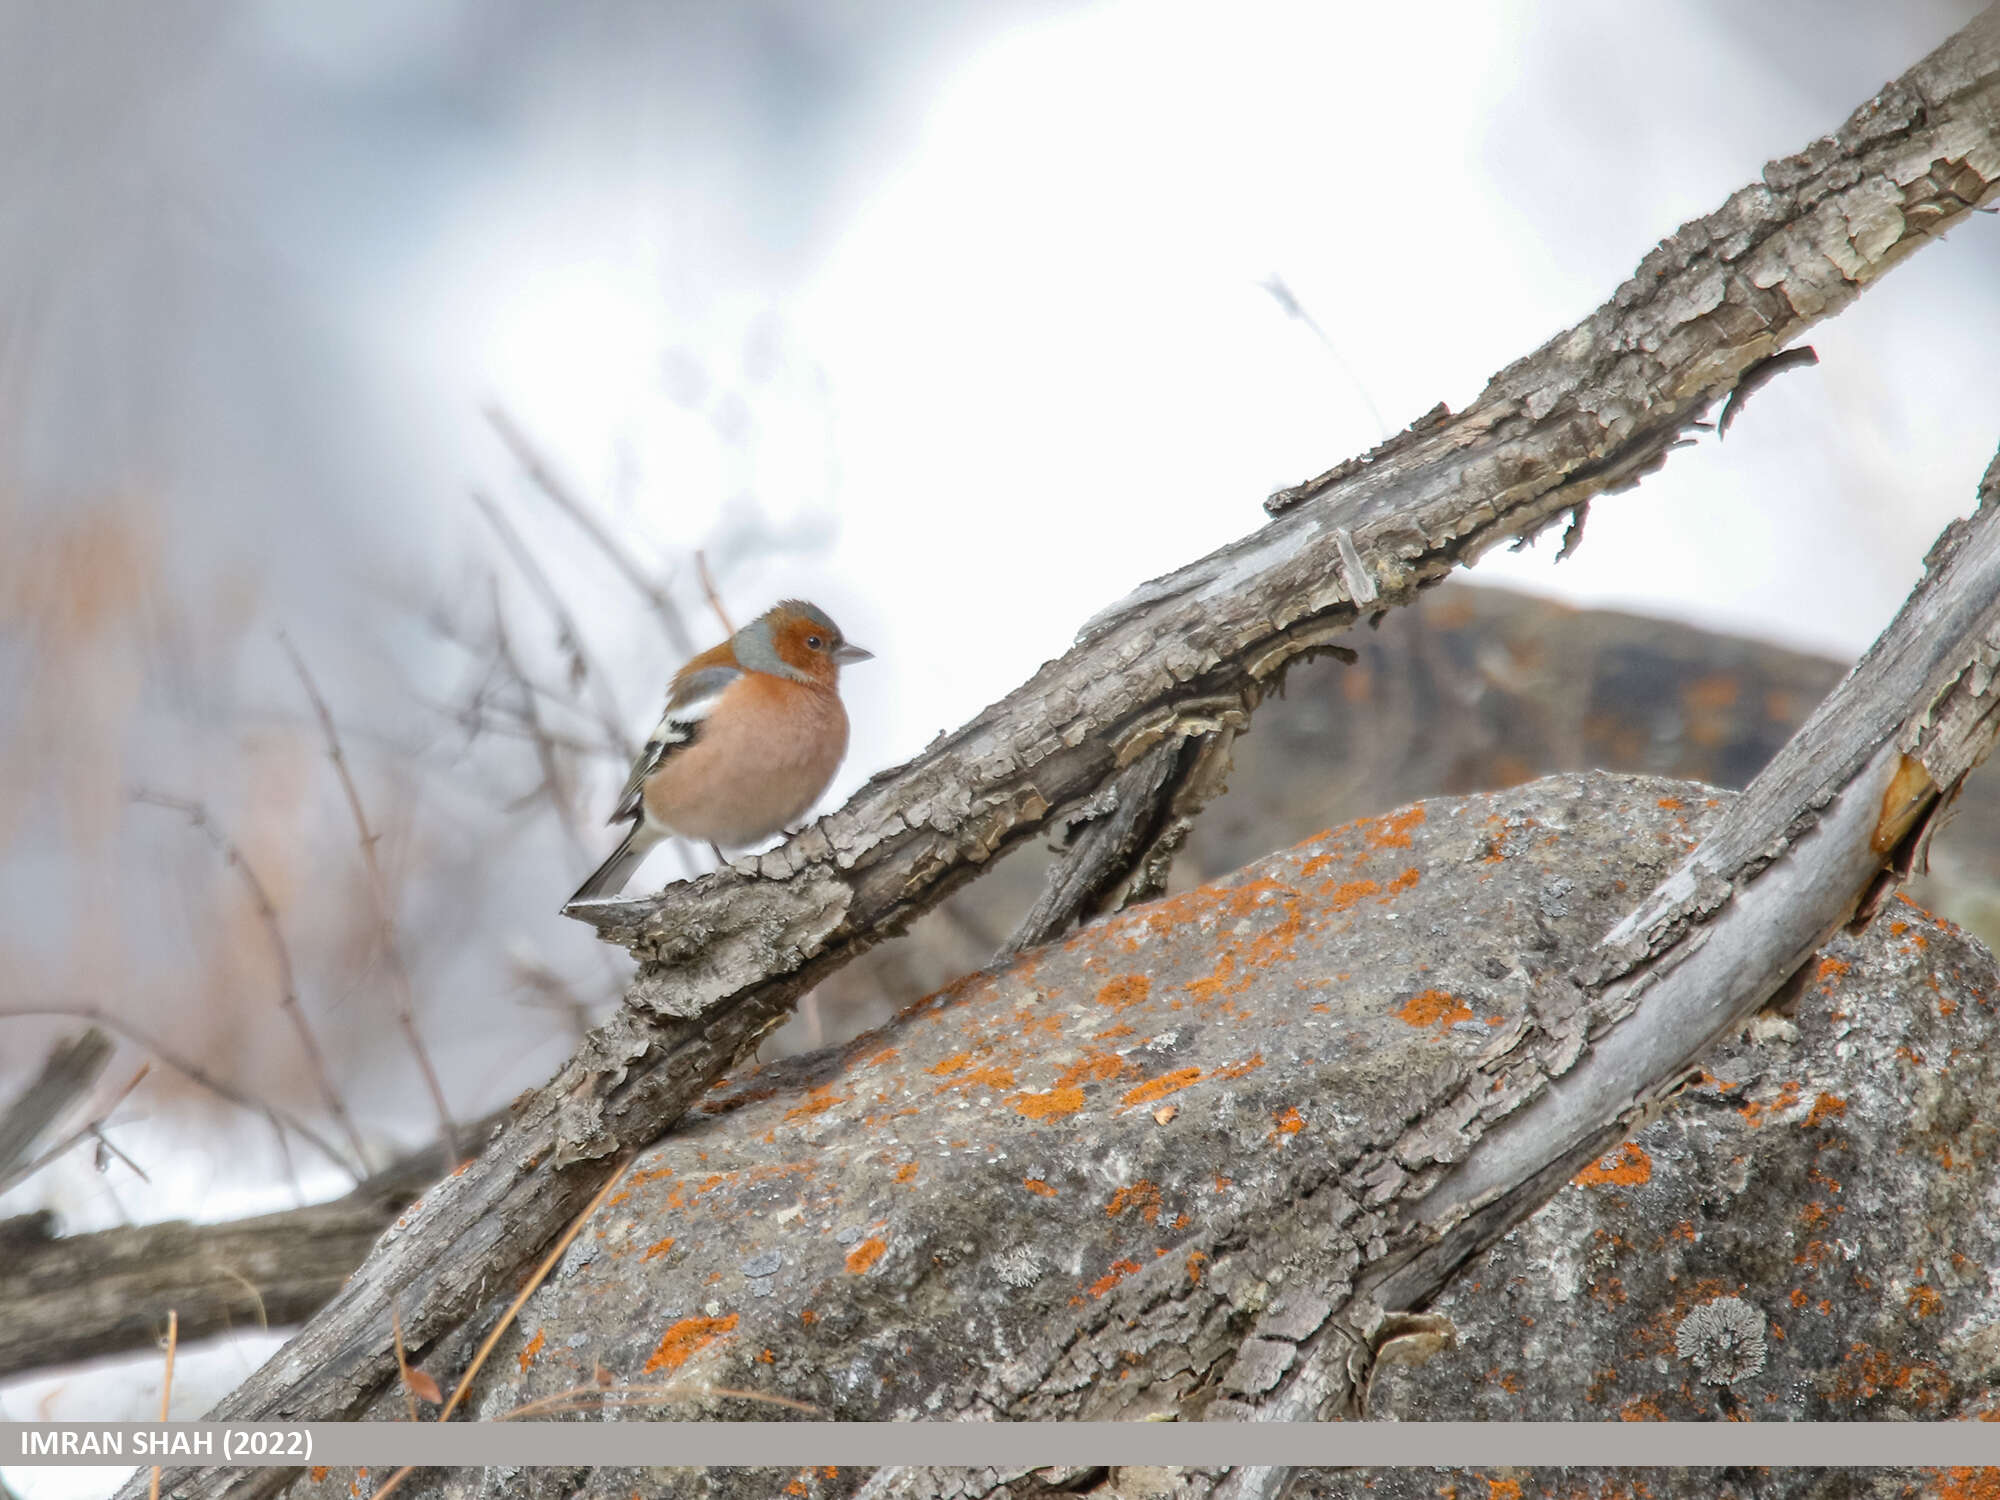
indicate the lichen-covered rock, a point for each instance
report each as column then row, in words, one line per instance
column 1129, row 1174
column 1808, row 1234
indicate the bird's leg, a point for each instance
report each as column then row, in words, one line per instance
column 721, row 859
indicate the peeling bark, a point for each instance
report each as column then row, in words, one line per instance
column 1186, row 657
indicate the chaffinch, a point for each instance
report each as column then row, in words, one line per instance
column 753, row 732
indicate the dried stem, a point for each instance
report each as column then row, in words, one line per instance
column 545, row 480
column 166, row 1388
column 187, row 1069
column 534, row 1282
column 267, row 912
column 379, row 891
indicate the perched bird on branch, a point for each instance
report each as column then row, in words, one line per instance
column 753, row 732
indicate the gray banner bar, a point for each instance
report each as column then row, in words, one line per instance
column 1003, row 1445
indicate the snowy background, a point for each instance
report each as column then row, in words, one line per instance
column 952, row 318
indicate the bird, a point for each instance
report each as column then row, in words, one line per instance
column 752, row 734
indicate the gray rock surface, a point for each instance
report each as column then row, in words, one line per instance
column 1124, row 1176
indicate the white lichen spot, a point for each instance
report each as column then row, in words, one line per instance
column 1020, row 1266
column 1723, row 1340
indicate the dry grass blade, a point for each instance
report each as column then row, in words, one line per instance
column 192, row 1071
column 267, row 913
column 395, row 1480
column 166, row 1388
column 586, row 1397
column 546, row 481
column 379, row 892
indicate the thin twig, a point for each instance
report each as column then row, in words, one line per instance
column 708, row 589
column 166, row 1388
column 379, row 891
column 507, row 1318
column 288, row 993
column 554, row 783
column 104, row 1145
column 1283, row 295
column 582, row 668
column 546, row 481
column 191, row 1070
column 76, row 1137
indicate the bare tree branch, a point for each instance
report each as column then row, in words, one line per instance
column 1589, row 413
column 545, row 480
column 267, row 914
column 82, row 1296
column 378, row 890
column 66, row 1075
column 90, row 1130
column 187, row 1068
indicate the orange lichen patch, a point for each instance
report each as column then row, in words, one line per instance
column 1925, row 1301
column 1630, row 1167
column 1962, row 1483
column 1120, row 1269
column 1159, row 1088
column 1038, row 1187
column 1829, row 970
column 1393, row 832
column 1868, row 1372
column 1195, row 1261
column 528, row 1353
column 1113, row 1033
column 1314, row 865
column 657, row 1248
column 993, row 1076
column 318, row 1472
column 686, row 1339
column 865, row 1254
column 808, row 1317
column 1237, row 1069
column 818, row 1101
column 883, row 1058
column 906, row 1172
column 1095, row 1066
column 1403, row 882
column 1125, row 991
column 1825, row 1107
column 1289, row 1123
column 1341, row 897
column 1502, row 1489
column 950, row 1065
column 1142, row 1195
column 1671, row 804
column 1050, row 1106
column 1753, row 1113
column 1438, row 1008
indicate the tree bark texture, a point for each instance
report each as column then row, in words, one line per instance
column 1185, row 658
column 1139, row 1173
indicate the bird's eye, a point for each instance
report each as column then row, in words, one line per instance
column 814, row 643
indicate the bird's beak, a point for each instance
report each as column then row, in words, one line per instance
column 846, row 653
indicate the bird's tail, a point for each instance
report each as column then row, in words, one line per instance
column 609, row 878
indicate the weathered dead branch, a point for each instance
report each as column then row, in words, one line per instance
column 1183, row 658
column 66, row 1075
column 82, row 1296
